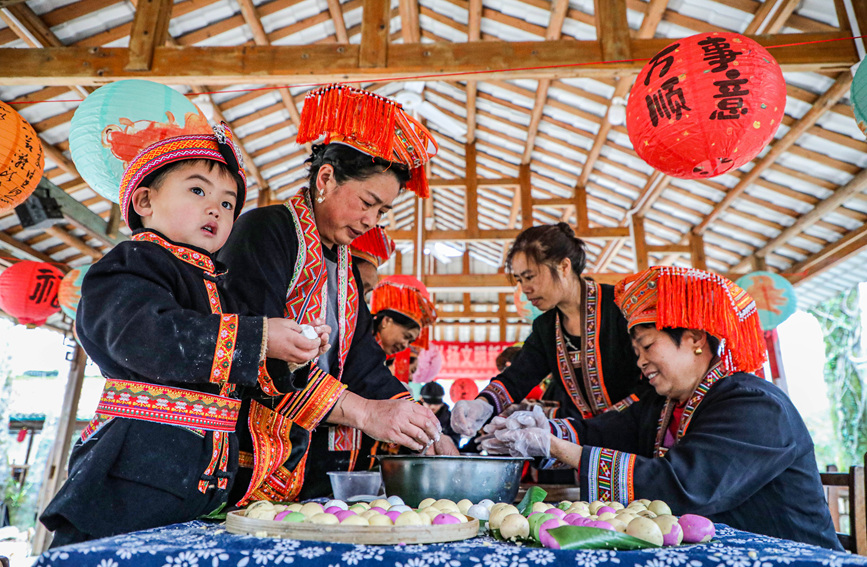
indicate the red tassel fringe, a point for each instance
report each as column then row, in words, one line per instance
column 340, row 109
column 706, row 301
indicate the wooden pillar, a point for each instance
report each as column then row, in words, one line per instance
column 526, row 190
column 502, row 309
column 472, row 176
column 581, row 218
column 696, row 251
column 55, row 470
column 639, row 243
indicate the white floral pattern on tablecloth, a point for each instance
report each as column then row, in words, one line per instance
column 198, row 544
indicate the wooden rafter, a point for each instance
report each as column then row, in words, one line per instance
column 339, row 23
column 771, row 16
column 474, row 27
column 373, row 51
column 409, row 26
column 830, row 98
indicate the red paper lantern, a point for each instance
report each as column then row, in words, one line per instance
column 28, row 291
column 21, row 159
column 463, row 389
column 705, row 105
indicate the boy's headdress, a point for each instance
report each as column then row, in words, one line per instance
column 409, row 297
column 372, row 124
column 695, row 299
column 374, row 246
column 217, row 146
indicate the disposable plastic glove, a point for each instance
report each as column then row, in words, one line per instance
column 469, row 415
column 527, row 419
column 529, row 442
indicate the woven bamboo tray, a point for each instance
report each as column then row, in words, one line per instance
column 237, row 523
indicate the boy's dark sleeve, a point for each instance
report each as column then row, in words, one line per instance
column 132, row 324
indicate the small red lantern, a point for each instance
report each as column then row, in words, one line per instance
column 21, row 159
column 705, row 105
column 28, row 291
column 463, row 389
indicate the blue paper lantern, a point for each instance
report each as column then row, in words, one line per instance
column 526, row 310
column 774, row 296
column 116, row 121
column 858, row 95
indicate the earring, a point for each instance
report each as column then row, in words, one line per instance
column 320, row 199
column 698, row 351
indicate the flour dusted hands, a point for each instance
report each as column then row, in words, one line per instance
column 469, row 415
column 515, row 419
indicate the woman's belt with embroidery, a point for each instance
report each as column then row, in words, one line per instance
column 198, row 411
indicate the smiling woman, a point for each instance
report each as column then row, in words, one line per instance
column 715, row 439
column 293, row 260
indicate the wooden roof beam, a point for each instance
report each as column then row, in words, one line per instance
column 286, row 64
column 839, row 89
column 373, row 51
column 410, row 30
column 829, row 256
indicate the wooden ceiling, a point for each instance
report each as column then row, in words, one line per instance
column 525, row 88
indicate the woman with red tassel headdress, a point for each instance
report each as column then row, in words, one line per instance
column 369, row 252
column 293, row 261
column 402, row 314
column 715, row 440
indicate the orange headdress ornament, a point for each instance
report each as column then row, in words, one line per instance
column 407, row 296
column 372, row 124
column 695, row 299
column 374, row 246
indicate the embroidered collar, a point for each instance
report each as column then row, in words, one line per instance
column 189, row 254
column 717, row 372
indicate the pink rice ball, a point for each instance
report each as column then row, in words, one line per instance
column 280, row 515
column 545, row 538
column 393, row 514
column 556, row 512
column 442, row 519
column 333, row 510
column 343, row 514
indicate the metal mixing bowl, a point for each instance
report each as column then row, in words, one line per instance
column 416, row 477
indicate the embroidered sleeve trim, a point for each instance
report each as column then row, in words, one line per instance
column 227, row 337
column 610, row 475
column 402, row 396
column 624, row 403
column 309, row 407
column 498, row 394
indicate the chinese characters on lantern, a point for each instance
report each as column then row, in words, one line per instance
column 730, row 98
column 668, row 100
column 44, row 290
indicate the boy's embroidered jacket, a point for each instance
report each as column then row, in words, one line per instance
column 154, row 320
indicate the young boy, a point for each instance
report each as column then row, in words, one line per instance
column 161, row 448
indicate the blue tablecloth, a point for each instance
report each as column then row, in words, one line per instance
column 196, row 544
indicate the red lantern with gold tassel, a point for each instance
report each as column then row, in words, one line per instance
column 21, row 159
column 28, row 291
column 705, row 105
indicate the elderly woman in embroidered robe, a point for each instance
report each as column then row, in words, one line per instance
column 293, row 260
column 715, row 440
column 581, row 339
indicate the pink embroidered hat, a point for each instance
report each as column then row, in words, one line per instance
column 219, row 146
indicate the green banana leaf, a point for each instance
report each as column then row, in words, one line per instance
column 217, row 515
column 534, row 494
column 583, row 537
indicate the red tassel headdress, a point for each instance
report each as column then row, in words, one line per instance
column 372, row 124
column 407, row 296
column 696, row 299
column 375, row 246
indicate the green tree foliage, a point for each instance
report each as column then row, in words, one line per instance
column 840, row 320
